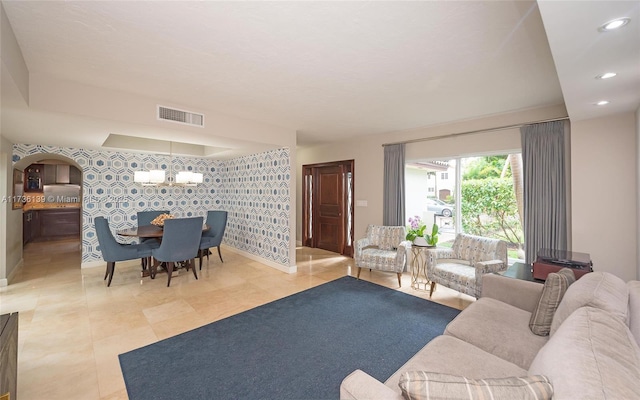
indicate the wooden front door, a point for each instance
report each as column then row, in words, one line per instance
column 330, row 196
column 328, row 206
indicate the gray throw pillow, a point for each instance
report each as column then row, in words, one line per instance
column 554, row 289
column 421, row 385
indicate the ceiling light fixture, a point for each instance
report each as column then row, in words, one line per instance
column 606, row 75
column 614, row 24
column 602, row 103
column 156, row 177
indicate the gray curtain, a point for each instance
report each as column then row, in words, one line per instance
column 393, row 205
column 545, row 188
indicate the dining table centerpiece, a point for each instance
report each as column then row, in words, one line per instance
column 159, row 220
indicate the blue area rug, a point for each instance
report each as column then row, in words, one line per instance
column 298, row 347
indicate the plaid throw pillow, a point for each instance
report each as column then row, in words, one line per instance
column 554, row 288
column 420, row 385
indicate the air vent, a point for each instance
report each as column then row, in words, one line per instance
column 180, row 116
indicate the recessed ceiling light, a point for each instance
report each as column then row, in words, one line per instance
column 602, row 103
column 606, row 75
column 614, row 24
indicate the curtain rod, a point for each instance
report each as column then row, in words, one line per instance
column 451, row 135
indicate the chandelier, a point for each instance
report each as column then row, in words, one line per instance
column 156, row 177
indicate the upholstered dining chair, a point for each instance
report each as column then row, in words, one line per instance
column 384, row 248
column 145, row 218
column 112, row 251
column 180, row 241
column 217, row 221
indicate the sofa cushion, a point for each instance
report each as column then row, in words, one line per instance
column 421, row 385
column 554, row 288
column 450, row 355
column 597, row 289
column 592, row 355
column 634, row 309
column 498, row 328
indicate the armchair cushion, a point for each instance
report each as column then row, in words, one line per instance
column 385, row 237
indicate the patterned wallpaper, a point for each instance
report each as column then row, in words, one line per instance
column 253, row 189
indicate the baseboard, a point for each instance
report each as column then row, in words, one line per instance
column 93, row 264
column 5, row 281
column 288, row 269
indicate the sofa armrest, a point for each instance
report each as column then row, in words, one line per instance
column 360, row 385
column 516, row 292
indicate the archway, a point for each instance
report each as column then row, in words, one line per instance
column 51, row 205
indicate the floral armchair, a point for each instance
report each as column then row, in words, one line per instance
column 462, row 266
column 383, row 249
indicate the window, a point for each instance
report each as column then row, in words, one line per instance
column 478, row 199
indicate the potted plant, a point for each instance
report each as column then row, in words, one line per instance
column 415, row 233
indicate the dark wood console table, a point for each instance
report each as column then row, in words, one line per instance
column 8, row 355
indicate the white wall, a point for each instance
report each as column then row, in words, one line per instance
column 604, row 191
column 10, row 220
column 416, row 191
column 369, row 155
column 638, row 192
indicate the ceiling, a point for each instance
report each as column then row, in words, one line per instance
column 325, row 70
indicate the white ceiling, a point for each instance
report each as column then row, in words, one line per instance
column 328, row 70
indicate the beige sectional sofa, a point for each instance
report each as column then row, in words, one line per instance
column 592, row 351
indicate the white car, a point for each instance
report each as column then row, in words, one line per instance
column 440, row 207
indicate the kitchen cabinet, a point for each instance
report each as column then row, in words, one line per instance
column 49, row 174
column 58, row 222
column 75, row 176
column 26, row 227
column 30, row 226
column 50, row 224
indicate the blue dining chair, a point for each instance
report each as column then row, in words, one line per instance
column 145, row 218
column 113, row 251
column 217, row 221
column 180, row 241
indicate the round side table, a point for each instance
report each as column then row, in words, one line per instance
column 419, row 275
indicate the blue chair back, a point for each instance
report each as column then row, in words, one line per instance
column 112, row 250
column 180, row 239
column 145, row 217
column 217, row 221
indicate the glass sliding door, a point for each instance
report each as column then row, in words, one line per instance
column 490, row 187
column 479, row 195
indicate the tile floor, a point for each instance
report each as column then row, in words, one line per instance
column 72, row 326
